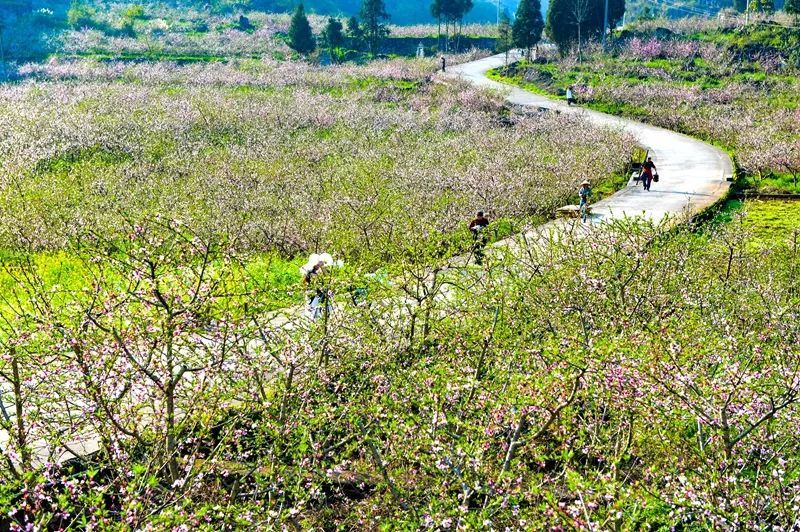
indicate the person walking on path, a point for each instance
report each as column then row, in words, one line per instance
column 478, row 228
column 444, row 64
column 319, row 296
column 316, row 280
column 570, row 96
column 584, row 192
column 648, row 169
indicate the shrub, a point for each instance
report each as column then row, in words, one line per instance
column 80, row 15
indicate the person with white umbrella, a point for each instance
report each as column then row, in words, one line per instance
column 313, row 271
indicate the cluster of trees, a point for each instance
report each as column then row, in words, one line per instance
column 452, row 13
column 569, row 22
column 361, row 35
column 403, row 11
column 597, row 379
column 575, row 21
column 82, row 14
column 766, row 6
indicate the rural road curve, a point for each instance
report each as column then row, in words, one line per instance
column 693, row 175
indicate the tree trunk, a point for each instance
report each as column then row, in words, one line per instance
column 171, row 447
column 22, row 443
column 169, row 397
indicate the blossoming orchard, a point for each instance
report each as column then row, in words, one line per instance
column 240, row 288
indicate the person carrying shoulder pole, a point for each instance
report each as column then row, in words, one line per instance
column 648, row 169
column 584, row 192
column 478, row 228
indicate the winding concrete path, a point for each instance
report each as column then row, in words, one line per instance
column 693, row 174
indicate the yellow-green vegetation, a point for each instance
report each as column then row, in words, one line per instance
column 769, row 221
column 60, row 273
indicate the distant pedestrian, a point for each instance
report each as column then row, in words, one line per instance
column 478, row 228
column 444, row 64
column 570, row 97
column 584, row 192
column 648, row 169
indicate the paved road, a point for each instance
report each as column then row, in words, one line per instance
column 693, row 175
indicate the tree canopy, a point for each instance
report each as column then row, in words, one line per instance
column 373, row 18
column 792, row 7
column 528, row 24
column 505, row 39
column 564, row 17
column 301, row 38
column 333, row 33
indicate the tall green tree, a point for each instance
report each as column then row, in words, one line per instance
column 762, row 6
column 301, row 38
column 580, row 10
column 462, row 7
column 567, row 18
column 334, row 39
column 528, row 25
column 355, row 34
column 333, row 34
column 437, row 12
column 373, row 18
column 452, row 12
column 793, row 8
column 505, row 36
column 445, row 11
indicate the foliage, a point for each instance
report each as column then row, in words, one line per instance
column 373, row 16
column 301, row 38
column 403, row 12
column 505, row 39
column 793, row 8
column 180, row 33
column 153, row 217
column 452, row 12
column 762, row 6
column 355, row 34
column 135, row 12
column 334, row 34
column 572, row 383
column 528, row 24
column 80, row 15
column 566, row 17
